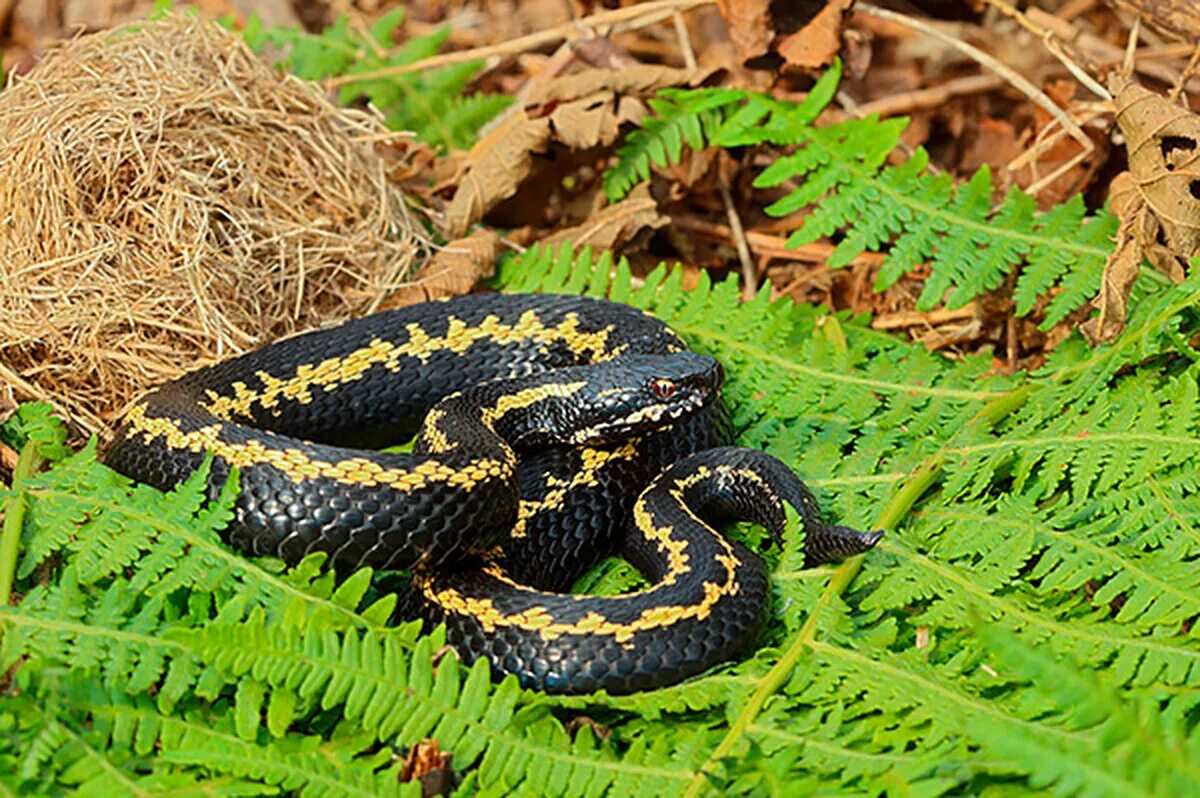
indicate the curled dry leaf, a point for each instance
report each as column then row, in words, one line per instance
column 1121, row 269
column 586, row 110
column 615, row 224
column 496, row 165
column 1157, row 200
column 454, row 270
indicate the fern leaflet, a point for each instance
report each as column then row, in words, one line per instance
column 912, row 215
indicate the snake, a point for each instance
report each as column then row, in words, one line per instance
column 547, row 432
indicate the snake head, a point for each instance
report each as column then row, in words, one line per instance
column 638, row 394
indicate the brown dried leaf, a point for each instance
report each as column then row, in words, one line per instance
column 614, row 224
column 496, row 166
column 1181, row 17
column 1163, row 143
column 454, row 270
column 594, row 120
column 750, row 27
column 814, row 45
column 427, row 764
column 1157, row 200
column 640, row 79
column 1123, row 264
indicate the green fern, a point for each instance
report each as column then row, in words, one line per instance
column 1025, row 624
column 912, row 215
column 430, row 103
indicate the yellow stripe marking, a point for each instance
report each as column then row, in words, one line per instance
column 591, row 461
column 538, row 619
column 298, row 466
column 331, row 373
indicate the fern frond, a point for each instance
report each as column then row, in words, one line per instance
column 908, row 213
column 104, row 742
column 1110, row 745
column 430, row 103
column 1058, row 506
column 35, row 423
column 1020, row 521
column 679, row 116
column 486, row 727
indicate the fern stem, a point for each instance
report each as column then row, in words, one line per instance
column 28, row 462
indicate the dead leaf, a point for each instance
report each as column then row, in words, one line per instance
column 992, row 141
column 1123, row 264
column 591, row 107
column 1157, row 200
column 814, row 45
column 640, row 79
column 1163, row 143
column 427, row 764
column 1181, row 17
column 496, row 165
column 750, row 27
column 454, row 270
column 594, row 120
column 601, row 52
column 614, row 224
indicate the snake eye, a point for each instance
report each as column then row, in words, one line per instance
column 663, row 388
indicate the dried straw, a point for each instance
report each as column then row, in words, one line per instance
column 168, row 198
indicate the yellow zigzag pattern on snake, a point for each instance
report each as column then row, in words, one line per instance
column 333, row 372
column 540, row 620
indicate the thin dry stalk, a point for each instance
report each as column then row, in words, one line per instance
column 1016, row 80
column 629, row 18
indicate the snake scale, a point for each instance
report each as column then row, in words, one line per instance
column 551, row 431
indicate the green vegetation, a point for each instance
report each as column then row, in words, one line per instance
column 431, row 103
column 1027, row 623
column 1024, row 622
column 913, row 215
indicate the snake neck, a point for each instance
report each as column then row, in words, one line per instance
column 512, row 414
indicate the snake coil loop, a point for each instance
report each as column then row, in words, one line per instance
column 540, row 420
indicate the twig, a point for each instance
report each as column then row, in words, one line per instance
column 1131, row 46
column 1102, row 54
column 1186, row 75
column 749, row 275
column 930, row 318
column 1036, row 187
column 685, row 41
column 899, row 104
column 766, row 244
column 1018, row 82
column 1048, row 137
column 801, row 279
column 633, row 17
column 1057, row 48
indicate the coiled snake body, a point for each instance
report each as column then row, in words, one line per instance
column 539, row 420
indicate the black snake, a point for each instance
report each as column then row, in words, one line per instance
column 539, row 420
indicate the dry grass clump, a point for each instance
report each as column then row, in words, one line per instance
column 168, row 198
